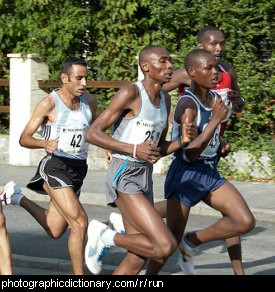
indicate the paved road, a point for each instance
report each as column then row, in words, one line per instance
column 35, row 253
column 259, row 196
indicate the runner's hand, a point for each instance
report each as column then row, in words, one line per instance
column 108, row 155
column 225, row 148
column 190, row 131
column 220, row 111
column 236, row 100
column 51, row 146
column 148, row 151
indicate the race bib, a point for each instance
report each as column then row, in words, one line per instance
column 223, row 94
column 72, row 140
column 213, row 145
column 144, row 130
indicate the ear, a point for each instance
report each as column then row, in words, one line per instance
column 64, row 78
column 199, row 46
column 191, row 72
column 144, row 67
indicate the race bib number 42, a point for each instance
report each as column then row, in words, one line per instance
column 71, row 139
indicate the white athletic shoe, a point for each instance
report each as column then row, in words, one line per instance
column 186, row 258
column 116, row 222
column 10, row 194
column 95, row 249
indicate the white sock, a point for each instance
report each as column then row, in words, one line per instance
column 108, row 237
column 16, row 198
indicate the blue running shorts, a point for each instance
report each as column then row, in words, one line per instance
column 192, row 181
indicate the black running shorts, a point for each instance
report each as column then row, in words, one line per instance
column 59, row 172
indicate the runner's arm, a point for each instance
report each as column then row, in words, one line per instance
column 235, row 95
column 124, row 102
column 179, row 77
column 92, row 101
column 40, row 115
column 189, row 132
column 196, row 147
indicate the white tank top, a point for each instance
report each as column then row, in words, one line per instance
column 69, row 129
column 147, row 125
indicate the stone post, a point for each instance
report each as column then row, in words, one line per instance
column 24, row 94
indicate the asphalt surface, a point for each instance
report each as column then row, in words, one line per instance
column 34, row 253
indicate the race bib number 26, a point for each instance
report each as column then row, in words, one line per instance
column 144, row 130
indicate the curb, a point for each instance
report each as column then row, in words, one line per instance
column 266, row 215
column 41, row 263
column 61, row 265
column 52, row 264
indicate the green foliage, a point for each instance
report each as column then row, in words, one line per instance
column 110, row 35
column 53, row 29
column 249, row 31
column 121, row 31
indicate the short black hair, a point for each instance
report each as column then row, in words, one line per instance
column 145, row 50
column 202, row 32
column 69, row 61
column 191, row 58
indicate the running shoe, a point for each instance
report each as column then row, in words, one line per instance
column 116, row 222
column 10, row 194
column 95, row 249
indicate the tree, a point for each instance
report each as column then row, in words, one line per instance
column 110, row 34
column 53, row 29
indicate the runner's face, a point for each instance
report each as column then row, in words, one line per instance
column 215, row 44
column 160, row 65
column 205, row 71
column 77, row 80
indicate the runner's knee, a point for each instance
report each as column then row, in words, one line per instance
column 55, row 234
column 246, row 224
column 80, row 224
column 165, row 248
